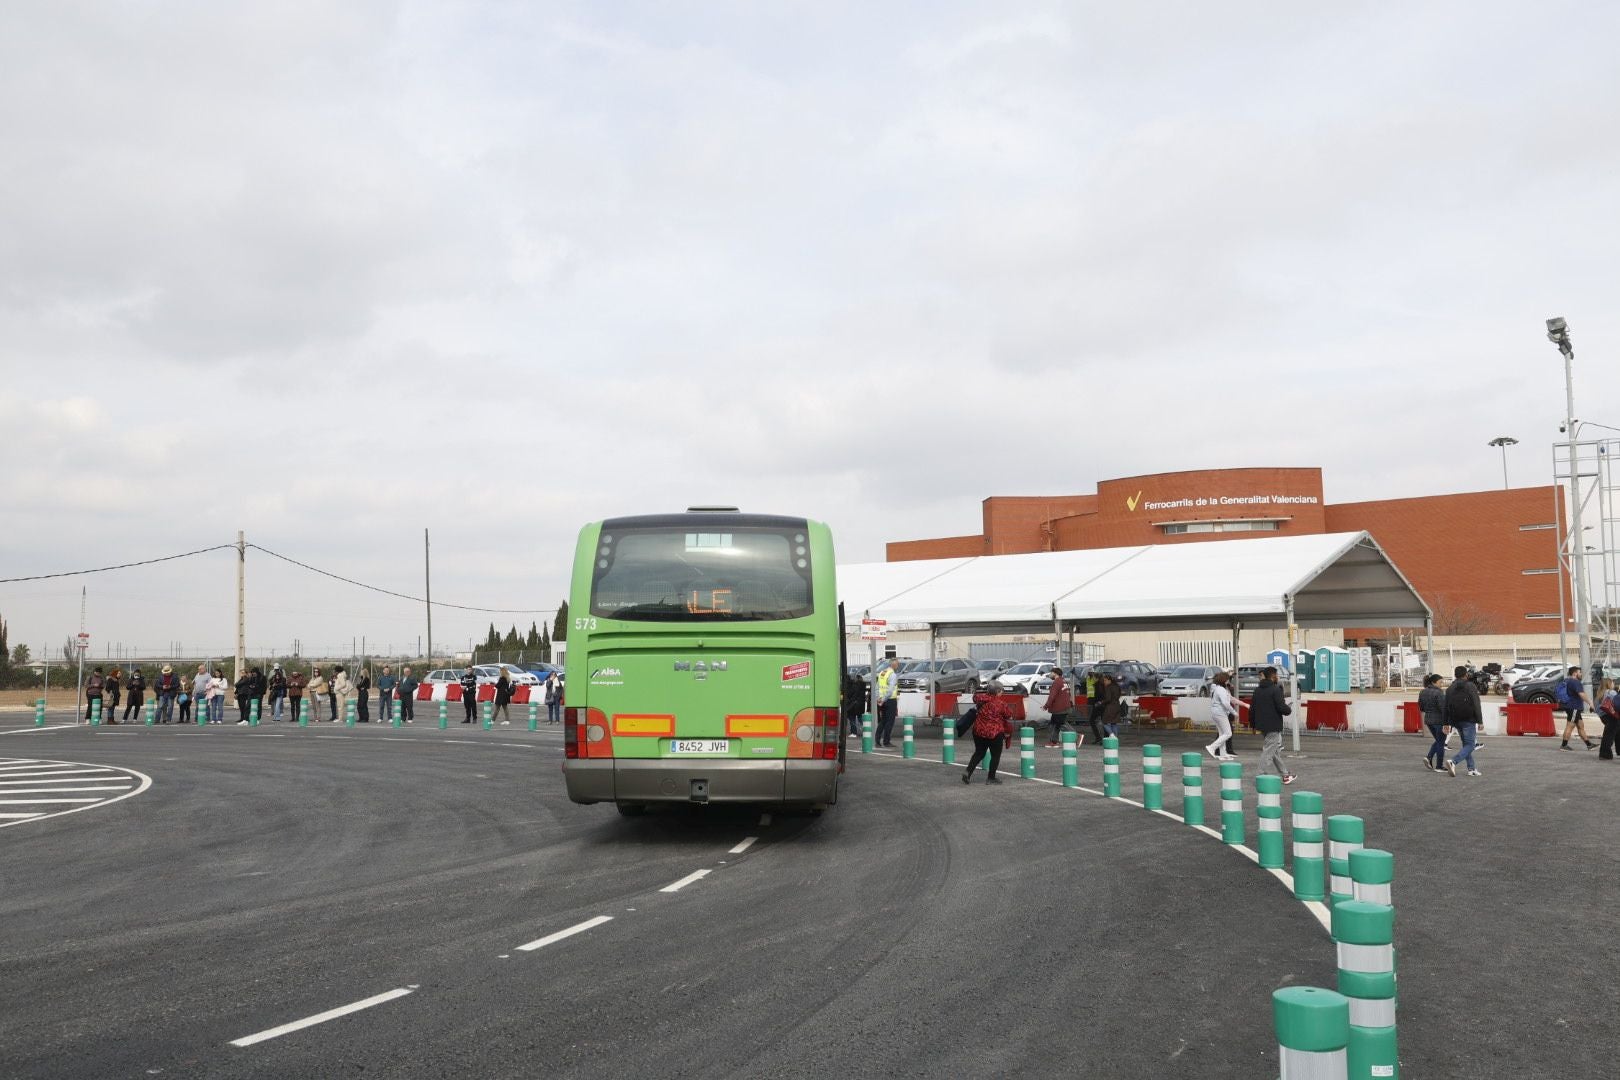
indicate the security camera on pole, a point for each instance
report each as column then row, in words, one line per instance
column 1558, row 334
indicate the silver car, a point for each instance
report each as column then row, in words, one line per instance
column 1188, row 680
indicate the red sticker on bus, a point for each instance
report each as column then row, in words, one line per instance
column 796, row 671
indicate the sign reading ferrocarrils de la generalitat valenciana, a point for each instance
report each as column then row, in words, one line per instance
column 1234, row 500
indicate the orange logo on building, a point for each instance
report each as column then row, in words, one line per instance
column 1131, row 502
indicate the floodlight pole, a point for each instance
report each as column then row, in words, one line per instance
column 1558, row 333
column 1293, row 659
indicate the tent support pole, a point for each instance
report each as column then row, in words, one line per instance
column 1237, row 628
column 1428, row 641
column 1294, row 703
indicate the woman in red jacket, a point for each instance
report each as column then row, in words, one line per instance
column 991, row 729
column 1058, row 702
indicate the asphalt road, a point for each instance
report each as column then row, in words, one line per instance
column 919, row 928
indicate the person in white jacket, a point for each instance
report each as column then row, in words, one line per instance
column 1223, row 710
column 342, row 690
column 216, row 696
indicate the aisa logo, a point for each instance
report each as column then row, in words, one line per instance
column 607, row 673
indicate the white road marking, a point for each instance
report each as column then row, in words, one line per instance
column 321, row 1018
column 580, row 928
column 75, row 771
column 26, row 776
column 747, row 843
column 55, row 790
column 47, row 727
column 50, row 778
column 28, row 802
column 696, row 875
column 23, row 817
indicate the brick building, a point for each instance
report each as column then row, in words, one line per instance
column 1486, row 562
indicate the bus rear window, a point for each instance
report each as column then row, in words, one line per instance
column 677, row 575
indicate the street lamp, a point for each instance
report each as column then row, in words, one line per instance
column 1504, row 441
column 1558, row 334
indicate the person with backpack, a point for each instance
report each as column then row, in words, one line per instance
column 1058, row 702
column 1571, row 695
column 1464, row 714
column 1609, row 711
column 1432, row 707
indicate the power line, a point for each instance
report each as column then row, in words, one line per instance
column 120, row 566
column 400, row 595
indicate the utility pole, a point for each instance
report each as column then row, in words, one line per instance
column 241, row 602
column 78, row 698
column 427, row 573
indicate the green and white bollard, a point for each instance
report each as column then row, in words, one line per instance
column 534, row 716
column 1268, row 814
column 1152, row 777
column 151, row 713
column 1372, row 875
column 39, row 712
column 1232, row 802
column 253, row 713
column 348, row 713
column 1313, row 1033
column 1345, row 834
column 1309, row 881
column 947, row 740
column 1365, row 934
column 489, row 716
column 444, row 716
column 95, row 711
column 908, row 746
column 866, row 733
column 1111, row 766
column 303, row 712
column 1071, row 760
column 1026, row 752
column 1192, row 788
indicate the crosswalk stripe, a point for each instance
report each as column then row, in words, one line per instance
column 32, row 802
column 56, row 790
column 67, row 780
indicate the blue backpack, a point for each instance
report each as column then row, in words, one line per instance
column 1563, row 694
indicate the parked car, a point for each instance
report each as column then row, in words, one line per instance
column 516, row 675
column 992, row 669
column 1076, row 676
column 1021, row 678
column 1540, row 691
column 860, row 671
column 1512, row 676
column 443, row 675
column 1188, row 680
column 1133, row 676
column 953, row 676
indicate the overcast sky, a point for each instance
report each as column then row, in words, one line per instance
column 335, row 273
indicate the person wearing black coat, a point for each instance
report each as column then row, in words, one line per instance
column 1432, row 707
column 244, row 696
column 136, row 687
column 1266, row 711
column 1464, row 714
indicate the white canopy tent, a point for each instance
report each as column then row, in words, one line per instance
column 1325, row 580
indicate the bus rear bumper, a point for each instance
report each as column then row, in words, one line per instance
column 709, row 780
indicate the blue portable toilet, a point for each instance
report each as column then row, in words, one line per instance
column 1305, row 670
column 1333, row 670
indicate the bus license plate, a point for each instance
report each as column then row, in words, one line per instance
column 700, row 746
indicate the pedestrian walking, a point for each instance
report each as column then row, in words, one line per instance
column 1058, row 702
column 1571, row 695
column 362, row 696
column 469, row 693
column 992, row 729
column 1223, row 710
column 339, row 689
column 888, row 692
column 217, row 685
column 1609, row 711
column 95, row 689
column 1094, row 705
column 318, row 689
column 199, row 694
column 277, row 693
column 1463, row 713
column 167, row 689
column 852, row 700
column 503, row 697
column 115, row 681
column 385, row 695
column 244, row 696
column 1266, row 711
column 295, row 693
column 1432, row 707
column 407, row 694
column 1110, row 704
column 135, row 695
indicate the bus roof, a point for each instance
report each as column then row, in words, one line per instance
column 704, row 519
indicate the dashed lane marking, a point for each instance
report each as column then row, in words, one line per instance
column 677, row 886
column 321, row 1018
column 747, row 843
column 579, row 928
column 33, row 790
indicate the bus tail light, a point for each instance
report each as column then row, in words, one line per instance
column 817, row 733
column 585, row 734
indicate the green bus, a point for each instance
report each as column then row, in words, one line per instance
column 705, row 661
